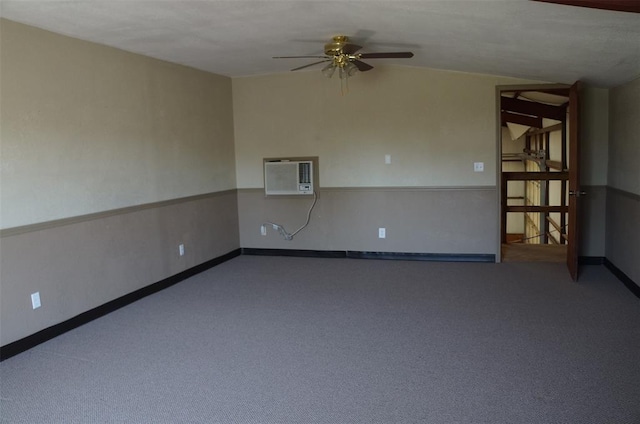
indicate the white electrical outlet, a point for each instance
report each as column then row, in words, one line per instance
column 382, row 232
column 387, row 159
column 478, row 166
column 35, row 300
column 181, row 249
column 263, row 230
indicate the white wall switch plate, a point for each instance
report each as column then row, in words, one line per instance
column 478, row 166
column 181, row 249
column 35, row 300
column 382, row 232
column 387, row 159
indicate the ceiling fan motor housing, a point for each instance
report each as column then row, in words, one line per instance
column 334, row 48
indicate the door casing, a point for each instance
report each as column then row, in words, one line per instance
column 573, row 142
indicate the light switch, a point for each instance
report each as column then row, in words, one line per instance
column 35, row 300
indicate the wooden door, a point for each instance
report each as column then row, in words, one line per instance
column 573, row 236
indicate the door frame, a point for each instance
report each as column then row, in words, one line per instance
column 498, row 121
column 575, row 191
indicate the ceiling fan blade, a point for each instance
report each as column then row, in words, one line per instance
column 362, row 67
column 300, row 57
column 616, row 5
column 390, row 55
column 311, row 64
column 350, row 48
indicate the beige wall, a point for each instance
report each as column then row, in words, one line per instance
column 624, row 133
column 416, row 220
column 594, row 151
column 87, row 128
column 592, row 216
column 623, row 194
column 79, row 265
column 109, row 161
column 594, row 135
column 434, row 124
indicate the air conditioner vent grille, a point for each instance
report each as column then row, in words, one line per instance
column 284, row 177
column 304, row 171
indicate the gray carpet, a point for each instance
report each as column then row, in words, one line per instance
column 301, row 340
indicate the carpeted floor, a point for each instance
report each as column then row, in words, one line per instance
column 303, row 340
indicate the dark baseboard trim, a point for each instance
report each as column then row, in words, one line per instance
column 439, row 257
column 42, row 336
column 591, row 260
column 628, row 282
column 434, row 257
column 294, row 252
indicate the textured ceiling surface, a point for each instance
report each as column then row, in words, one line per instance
column 517, row 38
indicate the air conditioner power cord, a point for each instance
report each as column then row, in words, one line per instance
column 283, row 232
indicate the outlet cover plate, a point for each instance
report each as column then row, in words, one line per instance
column 382, row 232
column 478, row 166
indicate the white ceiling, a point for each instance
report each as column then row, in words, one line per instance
column 518, row 38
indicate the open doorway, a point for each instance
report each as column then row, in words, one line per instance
column 538, row 165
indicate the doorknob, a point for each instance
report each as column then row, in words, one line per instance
column 577, row 193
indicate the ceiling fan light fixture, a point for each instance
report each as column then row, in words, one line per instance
column 329, row 70
column 351, row 69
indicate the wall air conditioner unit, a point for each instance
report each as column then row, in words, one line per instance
column 288, row 177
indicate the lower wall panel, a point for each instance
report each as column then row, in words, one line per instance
column 420, row 220
column 79, row 266
column 592, row 221
column 623, row 232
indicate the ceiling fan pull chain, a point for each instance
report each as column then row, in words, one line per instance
column 344, row 86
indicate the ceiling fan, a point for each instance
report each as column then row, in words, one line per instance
column 343, row 56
